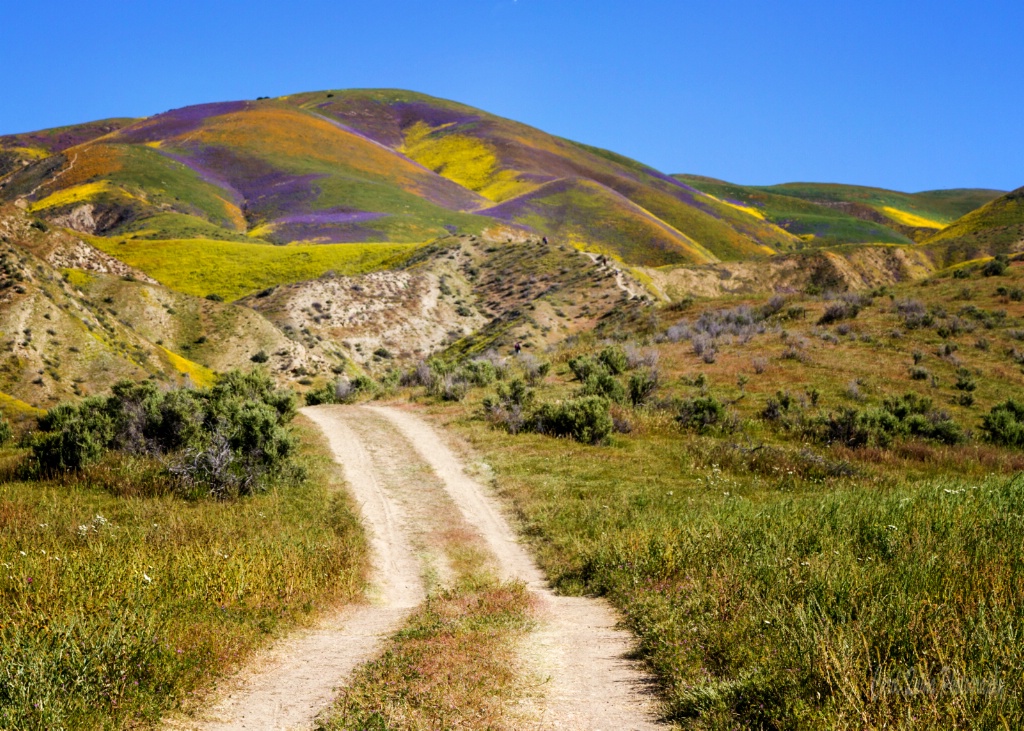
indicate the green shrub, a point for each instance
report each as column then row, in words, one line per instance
column 260, row 357
column 604, row 384
column 996, row 267
column 479, row 372
column 909, row 403
column 853, row 428
column 1004, row 424
column 585, row 419
column 701, row 413
column 642, row 386
column 583, row 367
column 226, row 440
column 5, row 431
column 509, row 408
column 614, row 358
column 326, row 394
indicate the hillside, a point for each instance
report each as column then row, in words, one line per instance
column 74, row 320
column 996, row 228
column 361, row 167
column 831, row 214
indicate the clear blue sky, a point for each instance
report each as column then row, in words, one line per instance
column 906, row 95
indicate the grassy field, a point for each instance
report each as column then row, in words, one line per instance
column 233, row 270
column 778, row 578
column 120, row 602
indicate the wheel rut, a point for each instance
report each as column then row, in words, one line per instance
column 403, row 475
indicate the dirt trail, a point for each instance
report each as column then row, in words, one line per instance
column 590, row 684
column 394, row 461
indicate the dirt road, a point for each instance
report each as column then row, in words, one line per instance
column 577, row 655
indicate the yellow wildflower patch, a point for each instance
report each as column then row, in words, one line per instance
column 77, row 278
column 911, row 219
column 11, row 405
column 74, row 194
column 36, row 153
column 468, row 161
column 200, row 375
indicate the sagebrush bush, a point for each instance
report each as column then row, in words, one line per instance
column 1004, row 424
column 585, row 419
column 614, row 359
column 583, row 367
column 642, row 386
column 701, row 413
column 509, row 409
column 225, row 440
column 604, row 384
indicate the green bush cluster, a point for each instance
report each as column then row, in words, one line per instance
column 585, row 419
column 598, row 376
column 1004, row 424
column 702, row 413
column 342, row 391
column 908, row 415
column 225, row 440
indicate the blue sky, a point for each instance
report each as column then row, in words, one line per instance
column 906, row 95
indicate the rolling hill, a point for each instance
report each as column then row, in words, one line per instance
column 364, row 167
column 359, row 231
column 830, row 214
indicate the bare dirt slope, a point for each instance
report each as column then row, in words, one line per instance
column 577, row 658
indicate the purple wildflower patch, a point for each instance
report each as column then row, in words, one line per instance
column 177, row 122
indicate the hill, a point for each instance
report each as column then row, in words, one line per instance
column 996, row 228
column 74, row 320
column 829, row 214
column 362, row 167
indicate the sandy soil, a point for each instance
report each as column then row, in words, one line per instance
column 577, row 657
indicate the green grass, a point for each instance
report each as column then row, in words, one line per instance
column 165, row 226
column 769, row 601
column 233, row 270
column 994, row 229
column 118, row 605
column 940, row 206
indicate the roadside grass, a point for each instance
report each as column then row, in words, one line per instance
column 120, row 603
column 453, row 666
column 233, row 270
column 776, row 601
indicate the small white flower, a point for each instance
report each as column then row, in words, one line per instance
column 22, row 553
column 145, row 577
column 891, row 527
